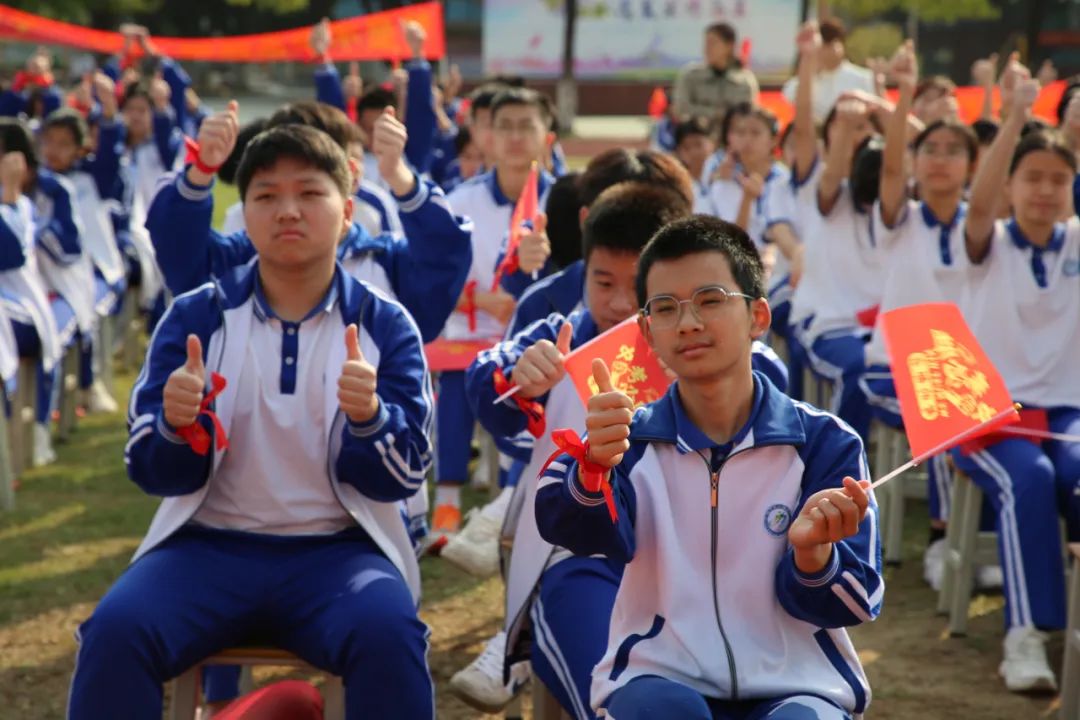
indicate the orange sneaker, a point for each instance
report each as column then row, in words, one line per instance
column 446, row 520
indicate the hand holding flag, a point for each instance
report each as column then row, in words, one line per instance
column 534, row 248
column 827, row 517
column 607, row 420
column 542, row 365
column 183, row 400
column 528, row 205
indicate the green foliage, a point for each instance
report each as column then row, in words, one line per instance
column 875, row 40
column 279, row 7
column 930, row 11
column 83, row 11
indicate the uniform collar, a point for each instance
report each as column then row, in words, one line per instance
column 932, row 220
column 690, row 438
column 264, row 312
column 491, row 179
column 1057, row 238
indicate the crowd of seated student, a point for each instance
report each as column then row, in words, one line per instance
column 381, row 216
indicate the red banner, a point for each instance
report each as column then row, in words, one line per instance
column 948, row 389
column 634, row 368
column 368, row 37
column 447, row 355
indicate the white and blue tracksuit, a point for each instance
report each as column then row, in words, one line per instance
column 345, row 601
column 757, row 629
column 562, row 602
column 1024, row 307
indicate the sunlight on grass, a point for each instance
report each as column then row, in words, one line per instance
column 67, row 559
column 46, row 522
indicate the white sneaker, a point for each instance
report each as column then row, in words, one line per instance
column 1024, row 666
column 989, row 577
column 934, row 563
column 481, row 477
column 480, row 683
column 98, row 399
column 476, row 548
column 43, row 449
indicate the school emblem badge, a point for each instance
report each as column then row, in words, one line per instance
column 777, row 520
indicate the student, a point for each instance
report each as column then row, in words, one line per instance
column 925, row 261
column 23, row 293
column 234, row 215
column 764, row 636
column 834, row 195
column 521, row 136
column 63, row 142
column 693, row 145
column 468, row 161
column 33, row 91
column 1024, row 308
column 569, row 618
column 425, row 270
column 935, row 99
column 298, row 519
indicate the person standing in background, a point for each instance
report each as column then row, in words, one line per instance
column 708, row 89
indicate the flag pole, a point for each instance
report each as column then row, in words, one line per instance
column 951, row 442
column 1044, row 434
column 506, row 395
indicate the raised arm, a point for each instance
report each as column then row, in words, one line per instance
column 809, row 42
column 850, row 112
column 982, row 75
column 893, row 183
column 993, row 171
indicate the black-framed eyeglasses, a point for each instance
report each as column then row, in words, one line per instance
column 664, row 311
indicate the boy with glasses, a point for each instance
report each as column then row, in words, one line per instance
column 724, row 478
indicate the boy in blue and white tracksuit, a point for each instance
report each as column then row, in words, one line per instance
column 748, row 504
column 291, row 534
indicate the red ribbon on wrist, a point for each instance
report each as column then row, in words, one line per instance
column 593, row 475
column 533, row 410
column 24, row 80
column 195, row 434
column 192, row 157
column 470, row 304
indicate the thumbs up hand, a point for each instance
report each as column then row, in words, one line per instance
column 608, row 419
column 388, row 138
column 541, row 367
column 183, row 392
column 356, row 386
column 535, row 248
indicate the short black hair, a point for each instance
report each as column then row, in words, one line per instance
column 526, row 97
column 376, row 98
column 299, row 142
column 482, row 97
column 724, row 31
column 227, row 172
column 1035, row 124
column 15, row 136
column 832, row 29
column 140, row 89
column 985, row 130
column 748, row 109
column 620, row 164
column 70, row 120
column 875, row 122
column 462, row 139
column 933, row 83
column 1063, row 104
column 704, row 233
column 626, row 216
column 564, row 220
column 329, row 119
column 865, row 178
column 959, row 129
column 1048, row 140
column 690, row 127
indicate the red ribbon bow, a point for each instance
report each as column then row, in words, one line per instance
column 470, row 304
column 593, row 475
column 533, row 410
column 23, row 80
column 195, row 434
column 192, row 157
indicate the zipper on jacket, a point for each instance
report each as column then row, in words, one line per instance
column 714, row 481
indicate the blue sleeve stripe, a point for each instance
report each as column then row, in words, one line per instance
column 392, row 466
column 190, row 191
column 824, row 577
column 413, row 202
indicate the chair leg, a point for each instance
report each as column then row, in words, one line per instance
column 970, row 511
column 952, row 548
column 545, row 706
column 1070, row 671
column 7, row 474
column 69, row 388
column 185, row 696
column 23, row 414
column 106, row 339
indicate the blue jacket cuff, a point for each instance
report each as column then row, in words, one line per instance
column 370, row 427
column 820, row 578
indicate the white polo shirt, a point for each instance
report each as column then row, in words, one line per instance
column 725, row 197
column 280, row 401
column 1025, row 311
column 841, row 267
column 829, row 85
column 924, row 261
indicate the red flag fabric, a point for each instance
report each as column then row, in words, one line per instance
column 593, row 476
column 658, row 103
column 635, row 370
column 195, row 434
column 1030, row 419
column 948, row 389
column 446, row 355
column 528, row 204
column 534, row 411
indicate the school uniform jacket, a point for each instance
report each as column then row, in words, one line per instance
column 22, row 292
column 425, row 270
column 711, row 597
column 370, row 467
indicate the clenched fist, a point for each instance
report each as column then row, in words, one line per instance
column 541, row 367
column 535, row 248
column 183, row 392
column 217, row 138
column 388, row 138
column 357, row 384
column 608, row 419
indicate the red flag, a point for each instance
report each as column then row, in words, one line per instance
column 658, row 103
column 949, row 391
column 444, row 355
column 744, row 53
column 528, row 204
column 635, row 370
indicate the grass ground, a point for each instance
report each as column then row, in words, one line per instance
column 78, row 521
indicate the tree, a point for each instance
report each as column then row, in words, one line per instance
column 83, row 12
column 929, row 11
